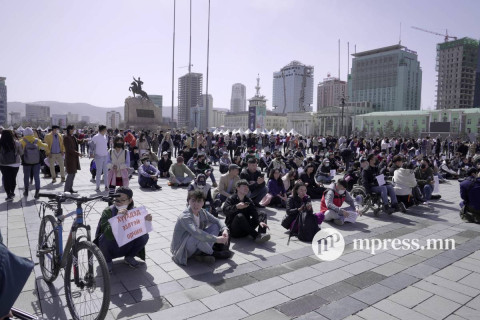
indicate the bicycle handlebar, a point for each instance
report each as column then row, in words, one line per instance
column 62, row 197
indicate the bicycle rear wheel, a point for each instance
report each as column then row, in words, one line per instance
column 90, row 297
column 47, row 246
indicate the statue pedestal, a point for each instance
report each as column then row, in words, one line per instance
column 142, row 113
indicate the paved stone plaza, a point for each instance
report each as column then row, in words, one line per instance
column 273, row 280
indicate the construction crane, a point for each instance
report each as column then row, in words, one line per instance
column 438, row 34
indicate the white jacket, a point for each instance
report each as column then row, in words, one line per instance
column 404, row 180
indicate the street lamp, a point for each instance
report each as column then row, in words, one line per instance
column 343, row 98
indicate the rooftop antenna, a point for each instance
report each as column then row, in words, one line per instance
column 338, row 59
column 400, row 38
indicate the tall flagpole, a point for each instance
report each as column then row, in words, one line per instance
column 208, row 58
column 173, row 62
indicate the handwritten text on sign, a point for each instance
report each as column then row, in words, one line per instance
column 130, row 226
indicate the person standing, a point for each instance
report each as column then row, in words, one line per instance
column 72, row 161
column 118, row 162
column 10, row 152
column 99, row 150
column 55, row 153
column 31, row 159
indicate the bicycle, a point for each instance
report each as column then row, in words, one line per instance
column 91, row 280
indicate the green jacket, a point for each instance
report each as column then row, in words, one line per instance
column 106, row 228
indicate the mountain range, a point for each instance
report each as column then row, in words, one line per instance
column 82, row 109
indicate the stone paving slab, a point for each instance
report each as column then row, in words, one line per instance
column 273, row 280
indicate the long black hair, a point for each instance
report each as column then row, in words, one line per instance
column 7, row 141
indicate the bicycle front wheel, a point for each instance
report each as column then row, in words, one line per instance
column 87, row 282
column 47, row 243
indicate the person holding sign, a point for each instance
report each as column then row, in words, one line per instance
column 370, row 183
column 196, row 232
column 107, row 243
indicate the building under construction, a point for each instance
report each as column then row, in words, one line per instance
column 189, row 92
column 456, row 67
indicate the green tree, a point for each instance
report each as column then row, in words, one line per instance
column 406, row 132
column 398, row 131
column 389, row 127
column 416, row 131
column 380, row 132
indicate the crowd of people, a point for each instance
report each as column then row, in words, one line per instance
column 256, row 171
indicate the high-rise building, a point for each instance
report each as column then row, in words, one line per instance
column 293, row 88
column 390, row 78
column 476, row 98
column 329, row 92
column 157, row 101
column 16, row 118
column 189, row 92
column 113, row 119
column 34, row 112
column 456, row 64
column 72, row 118
column 86, row 119
column 3, row 101
column 199, row 113
column 238, row 102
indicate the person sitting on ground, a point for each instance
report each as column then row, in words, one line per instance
column 323, row 172
column 191, row 162
column 265, row 160
column 332, row 201
column 425, row 180
column 256, row 181
column 226, row 186
column 297, row 203
column 404, row 183
column 203, row 167
column 289, row 180
column 277, row 163
column 446, row 170
column 196, row 232
column 352, row 175
column 200, row 183
column 308, row 178
column 177, row 174
column 164, row 165
column 370, row 184
column 470, row 194
column 242, row 218
column 397, row 163
column 148, row 175
column 224, row 163
column 107, row 243
column 277, row 195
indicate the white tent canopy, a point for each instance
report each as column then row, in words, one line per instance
column 256, row 131
column 293, row 132
column 283, row 131
column 20, row 128
column 247, row 131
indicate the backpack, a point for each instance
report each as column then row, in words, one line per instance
column 31, row 153
column 7, row 156
column 304, row 227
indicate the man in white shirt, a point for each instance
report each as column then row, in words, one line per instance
column 99, row 150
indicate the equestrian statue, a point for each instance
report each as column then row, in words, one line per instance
column 136, row 88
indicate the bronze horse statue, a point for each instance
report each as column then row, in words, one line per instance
column 136, row 88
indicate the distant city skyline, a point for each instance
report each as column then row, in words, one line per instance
column 67, row 52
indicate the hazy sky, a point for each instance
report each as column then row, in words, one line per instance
column 88, row 51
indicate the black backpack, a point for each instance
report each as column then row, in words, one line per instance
column 304, row 227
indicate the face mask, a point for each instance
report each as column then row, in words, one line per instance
column 121, row 207
column 423, row 166
column 200, row 186
column 327, row 164
column 118, row 145
column 340, row 191
column 147, row 163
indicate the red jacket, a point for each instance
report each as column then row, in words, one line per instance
column 338, row 200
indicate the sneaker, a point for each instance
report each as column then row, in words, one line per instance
column 388, row 210
column 225, row 254
column 54, row 180
column 25, row 193
column 436, row 197
column 36, row 196
column 402, row 207
column 9, row 198
column 97, row 189
column 262, row 237
column 110, row 267
column 205, row 258
column 106, row 188
column 131, row 262
column 63, row 180
column 214, row 185
column 157, row 187
column 338, row 222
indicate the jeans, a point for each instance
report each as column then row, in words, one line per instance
column 193, row 245
column 27, row 170
column 384, row 190
column 69, row 182
column 101, row 164
column 427, row 191
column 111, row 250
column 258, row 194
column 242, row 226
column 183, row 180
column 9, row 178
column 323, row 179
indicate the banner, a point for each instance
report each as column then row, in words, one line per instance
column 251, row 118
column 130, row 226
column 260, row 118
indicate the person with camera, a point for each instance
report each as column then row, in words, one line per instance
column 242, row 218
column 297, row 203
column 256, row 182
column 202, row 166
column 332, row 201
column 196, row 232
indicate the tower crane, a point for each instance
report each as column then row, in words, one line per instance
column 447, row 37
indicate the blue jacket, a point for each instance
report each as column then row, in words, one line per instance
column 471, row 195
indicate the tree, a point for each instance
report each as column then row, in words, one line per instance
column 406, row 132
column 389, row 128
column 398, row 131
column 416, row 132
column 380, row 132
